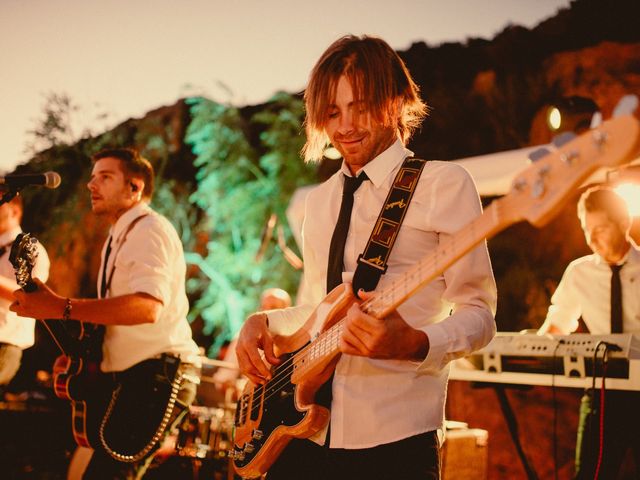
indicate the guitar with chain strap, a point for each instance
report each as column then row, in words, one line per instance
column 77, row 372
column 268, row 416
column 127, row 418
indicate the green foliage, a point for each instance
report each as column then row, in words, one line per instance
column 240, row 185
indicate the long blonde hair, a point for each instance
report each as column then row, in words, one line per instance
column 378, row 77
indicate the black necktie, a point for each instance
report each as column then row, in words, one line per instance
column 616, row 299
column 335, row 264
column 103, row 283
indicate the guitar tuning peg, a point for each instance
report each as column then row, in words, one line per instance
column 563, row 139
column 538, row 154
column 249, row 448
column 626, row 106
column 596, row 120
column 236, row 454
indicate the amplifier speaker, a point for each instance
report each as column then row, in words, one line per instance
column 465, row 454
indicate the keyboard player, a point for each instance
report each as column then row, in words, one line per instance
column 604, row 290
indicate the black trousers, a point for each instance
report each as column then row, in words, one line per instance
column 621, row 433
column 104, row 467
column 414, row 458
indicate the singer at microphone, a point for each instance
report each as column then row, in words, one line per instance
column 47, row 179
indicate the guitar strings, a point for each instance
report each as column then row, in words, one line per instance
column 407, row 283
column 368, row 306
column 283, row 371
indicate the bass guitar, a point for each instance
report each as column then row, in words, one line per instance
column 77, row 372
column 268, row 416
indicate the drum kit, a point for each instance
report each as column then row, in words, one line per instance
column 206, row 435
column 198, row 448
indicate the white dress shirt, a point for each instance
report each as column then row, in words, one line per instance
column 585, row 291
column 381, row 401
column 150, row 261
column 17, row 330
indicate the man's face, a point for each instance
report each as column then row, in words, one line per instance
column 111, row 193
column 358, row 142
column 604, row 236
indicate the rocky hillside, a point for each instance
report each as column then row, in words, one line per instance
column 485, row 96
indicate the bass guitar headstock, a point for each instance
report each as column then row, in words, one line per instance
column 539, row 191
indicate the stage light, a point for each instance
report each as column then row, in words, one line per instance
column 571, row 114
column 630, row 193
column 554, row 119
column 626, row 183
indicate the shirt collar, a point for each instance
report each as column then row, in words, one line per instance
column 381, row 166
column 632, row 254
column 127, row 217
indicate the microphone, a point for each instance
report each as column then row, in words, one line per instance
column 47, row 179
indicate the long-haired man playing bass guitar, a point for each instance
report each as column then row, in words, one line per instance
column 149, row 358
column 388, row 389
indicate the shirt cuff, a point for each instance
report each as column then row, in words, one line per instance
column 288, row 320
column 438, row 342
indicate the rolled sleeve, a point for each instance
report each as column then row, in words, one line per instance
column 288, row 320
column 41, row 268
column 148, row 251
column 565, row 308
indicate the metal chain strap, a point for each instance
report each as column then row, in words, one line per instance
column 175, row 388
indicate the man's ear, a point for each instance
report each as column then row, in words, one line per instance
column 136, row 186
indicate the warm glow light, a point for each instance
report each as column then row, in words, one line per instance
column 554, row 118
column 630, row 192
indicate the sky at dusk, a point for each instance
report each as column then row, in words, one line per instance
column 124, row 58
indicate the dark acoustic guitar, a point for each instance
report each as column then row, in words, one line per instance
column 77, row 375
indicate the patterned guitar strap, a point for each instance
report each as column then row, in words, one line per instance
column 372, row 263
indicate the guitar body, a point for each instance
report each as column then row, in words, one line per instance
column 84, row 387
column 269, row 416
column 77, row 375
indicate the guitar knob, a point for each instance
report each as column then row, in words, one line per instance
column 257, row 434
